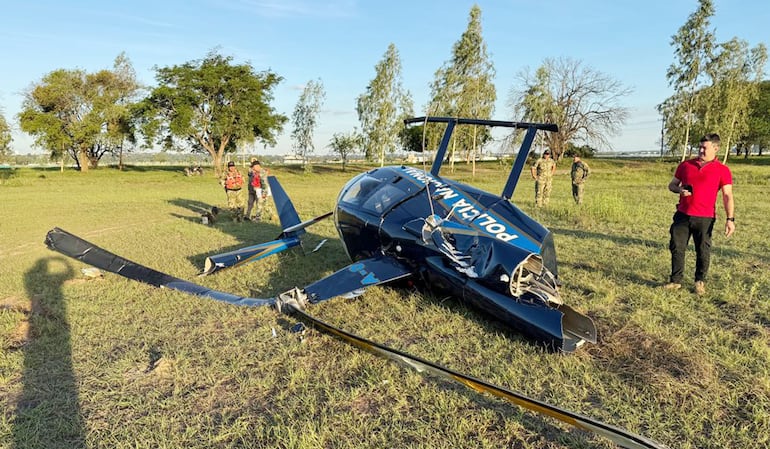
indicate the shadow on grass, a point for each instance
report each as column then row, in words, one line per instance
column 48, row 411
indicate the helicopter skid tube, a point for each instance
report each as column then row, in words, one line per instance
column 559, row 328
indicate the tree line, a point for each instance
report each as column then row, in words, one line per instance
column 215, row 106
column 717, row 88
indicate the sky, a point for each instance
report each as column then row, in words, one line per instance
column 341, row 41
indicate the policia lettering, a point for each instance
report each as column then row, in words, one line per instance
column 466, row 209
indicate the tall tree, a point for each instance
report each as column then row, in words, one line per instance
column 582, row 101
column 735, row 73
column 209, row 106
column 305, row 117
column 382, row 108
column 5, row 137
column 464, row 87
column 693, row 46
column 759, row 121
column 85, row 115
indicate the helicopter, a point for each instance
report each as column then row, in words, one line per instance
column 405, row 223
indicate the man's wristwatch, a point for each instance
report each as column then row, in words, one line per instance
column 730, row 219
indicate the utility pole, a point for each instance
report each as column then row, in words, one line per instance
column 662, row 134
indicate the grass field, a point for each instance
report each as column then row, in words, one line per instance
column 112, row 363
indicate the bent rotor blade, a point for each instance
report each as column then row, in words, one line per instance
column 249, row 254
column 619, row 436
column 73, row 246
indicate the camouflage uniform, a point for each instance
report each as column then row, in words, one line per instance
column 232, row 180
column 579, row 173
column 542, row 171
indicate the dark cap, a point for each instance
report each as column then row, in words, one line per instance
column 231, row 164
column 253, row 163
column 546, row 152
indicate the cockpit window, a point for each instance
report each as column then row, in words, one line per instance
column 383, row 198
column 372, row 194
column 360, row 191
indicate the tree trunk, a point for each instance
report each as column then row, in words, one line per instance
column 83, row 161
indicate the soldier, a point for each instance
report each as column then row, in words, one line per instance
column 233, row 183
column 542, row 172
column 579, row 173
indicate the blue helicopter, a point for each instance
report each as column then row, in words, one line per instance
column 402, row 222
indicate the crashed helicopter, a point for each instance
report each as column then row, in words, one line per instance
column 403, row 223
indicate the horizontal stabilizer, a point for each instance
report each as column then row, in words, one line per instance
column 73, row 246
column 293, row 229
column 358, row 275
column 249, row 254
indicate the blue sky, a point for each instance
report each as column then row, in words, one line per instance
column 340, row 41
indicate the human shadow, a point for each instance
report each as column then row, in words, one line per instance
column 48, row 412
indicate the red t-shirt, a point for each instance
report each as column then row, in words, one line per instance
column 706, row 181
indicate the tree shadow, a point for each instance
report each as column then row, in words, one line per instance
column 48, row 412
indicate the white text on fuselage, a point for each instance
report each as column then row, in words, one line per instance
column 463, row 208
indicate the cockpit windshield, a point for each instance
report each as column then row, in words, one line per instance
column 372, row 194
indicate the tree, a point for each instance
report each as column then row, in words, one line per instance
column 5, row 137
column 85, row 115
column 759, row 121
column 345, row 144
column 735, row 73
column 693, row 45
column 583, row 102
column 382, row 108
column 209, row 106
column 305, row 117
column 464, row 87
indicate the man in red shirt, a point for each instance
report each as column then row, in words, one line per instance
column 698, row 181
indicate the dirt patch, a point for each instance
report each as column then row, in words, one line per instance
column 20, row 335
column 15, row 304
column 637, row 355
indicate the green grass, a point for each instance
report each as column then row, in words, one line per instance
column 117, row 364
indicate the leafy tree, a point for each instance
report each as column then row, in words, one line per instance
column 464, row 87
column 693, row 45
column 583, row 102
column 81, row 114
column 759, row 121
column 413, row 138
column 735, row 73
column 305, row 117
column 209, row 106
column 584, row 151
column 5, row 137
column 382, row 108
column 345, row 145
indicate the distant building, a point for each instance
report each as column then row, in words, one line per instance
column 293, row 159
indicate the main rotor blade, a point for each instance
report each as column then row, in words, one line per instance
column 73, row 246
column 619, row 436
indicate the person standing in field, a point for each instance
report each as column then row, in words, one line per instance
column 542, row 172
column 257, row 190
column 232, row 181
column 579, row 173
column 697, row 182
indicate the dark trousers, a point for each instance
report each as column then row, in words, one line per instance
column 682, row 228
